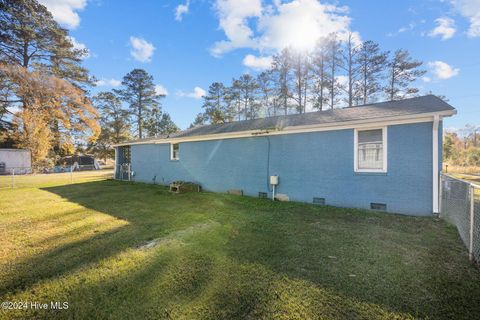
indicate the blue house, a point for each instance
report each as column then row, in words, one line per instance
column 385, row 156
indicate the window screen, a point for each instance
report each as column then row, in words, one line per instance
column 126, row 154
column 370, row 149
column 175, row 151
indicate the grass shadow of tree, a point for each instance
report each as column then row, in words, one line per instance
column 295, row 244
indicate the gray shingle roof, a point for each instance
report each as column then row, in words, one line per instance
column 412, row 106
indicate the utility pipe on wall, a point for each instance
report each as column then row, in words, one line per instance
column 273, row 182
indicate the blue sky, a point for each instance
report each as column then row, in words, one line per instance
column 188, row 44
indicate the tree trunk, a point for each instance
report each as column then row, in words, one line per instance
column 350, row 77
column 26, row 57
column 332, row 85
column 392, row 83
column 365, row 90
column 140, row 115
column 322, row 82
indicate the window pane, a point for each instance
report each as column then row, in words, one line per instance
column 370, row 149
column 370, row 136
column 175, row 151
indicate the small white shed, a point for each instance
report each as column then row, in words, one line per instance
column 18, row 159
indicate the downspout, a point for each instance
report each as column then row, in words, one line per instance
column 436, row 121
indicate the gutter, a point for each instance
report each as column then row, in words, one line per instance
column 421, row 117
column 435, row 159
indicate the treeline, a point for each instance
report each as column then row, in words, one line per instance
column 462, row 147
column 45, row 101
column 133, row 111
column 336, row 73
column 43, row 85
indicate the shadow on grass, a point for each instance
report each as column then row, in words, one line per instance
column 262, row 258
column 67, row 258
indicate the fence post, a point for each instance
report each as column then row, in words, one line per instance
column 440, row 195
column 13, row 178
column 71, row 174
column 472, row 208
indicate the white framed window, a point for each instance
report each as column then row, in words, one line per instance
column 174, row 151
column 370, row 150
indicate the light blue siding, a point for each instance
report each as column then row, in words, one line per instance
column 318, row 164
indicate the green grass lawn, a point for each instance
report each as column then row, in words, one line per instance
column 117, row 250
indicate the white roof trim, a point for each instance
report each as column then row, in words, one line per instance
column 406, row 119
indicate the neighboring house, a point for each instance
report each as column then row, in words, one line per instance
column 384, row 156
column 17, row 159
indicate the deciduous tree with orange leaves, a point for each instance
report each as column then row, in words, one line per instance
column 43, row 85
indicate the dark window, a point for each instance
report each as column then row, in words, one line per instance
column 320, row 201
column 175, row 152
column 378, row 206
column 2, row 166
column 262, row 195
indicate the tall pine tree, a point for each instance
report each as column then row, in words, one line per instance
column 30, row 38
column 372, row 63
column 281, row 69
column 139, row 92
column 160, row 123
column 403, row 70
column 333, row 53
column 319, row 74
column 216, row 104
column 247, row 88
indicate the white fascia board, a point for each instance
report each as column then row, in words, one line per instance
column 378, row 122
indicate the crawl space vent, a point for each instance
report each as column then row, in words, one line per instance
column 262, row 194
column 378, row 206
column 320, row 201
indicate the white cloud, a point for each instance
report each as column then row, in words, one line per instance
column 442, row 70
column 161, row 90
column 452, row 129
column 470, row 9
column 407, row 28
column 65, row 11
column 79, row 46
column 108, row 83
column 197, row 93
column 142, row 50
column 257, row 63
column 298, row 23
column 181, row 10
column 445, row 28
column 342, row 80
column 233, row 16
column 426, row 79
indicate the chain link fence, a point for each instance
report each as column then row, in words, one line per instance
column 24, row 178
column 8, row 176
column 460, row 205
